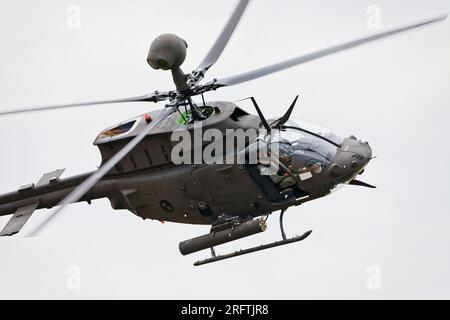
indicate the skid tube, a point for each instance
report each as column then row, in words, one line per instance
column 254, row 249
column 241, row 252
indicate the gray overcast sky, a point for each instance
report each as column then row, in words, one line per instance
column 394, row 94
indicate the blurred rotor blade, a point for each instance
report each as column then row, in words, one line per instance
column 153, row 97
column 218, row 47
column 86, row 185
column 258, row 73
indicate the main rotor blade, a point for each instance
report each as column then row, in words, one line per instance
column 149, row 98
column 258, row 73
column 218, row 47
column 86, row 185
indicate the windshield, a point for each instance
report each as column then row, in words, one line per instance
column 317, row 129
column 300, row 150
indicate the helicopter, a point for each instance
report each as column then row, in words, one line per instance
column 141, row 169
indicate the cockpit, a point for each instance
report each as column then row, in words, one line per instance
column 310, row 160
column 304, row 146
column 303, row 150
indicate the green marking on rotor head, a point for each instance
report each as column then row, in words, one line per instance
column 185, row 117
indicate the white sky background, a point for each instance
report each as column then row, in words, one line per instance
column 394, row 94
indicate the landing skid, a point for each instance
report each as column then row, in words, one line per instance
column 216, row 258
column 254, row 249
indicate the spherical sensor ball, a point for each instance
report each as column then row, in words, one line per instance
column 166, row 52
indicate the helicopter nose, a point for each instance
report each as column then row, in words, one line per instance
column 362, row 155
column 351, row 159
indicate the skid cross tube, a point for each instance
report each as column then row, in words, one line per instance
column 283, row 234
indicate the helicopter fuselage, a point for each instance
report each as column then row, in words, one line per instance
column 147, row 182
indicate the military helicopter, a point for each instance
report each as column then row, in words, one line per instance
column 138, row 172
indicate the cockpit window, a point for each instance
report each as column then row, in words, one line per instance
column 300, row 150
column 120, row 129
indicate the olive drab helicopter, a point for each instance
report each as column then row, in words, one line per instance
column 138, row 174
